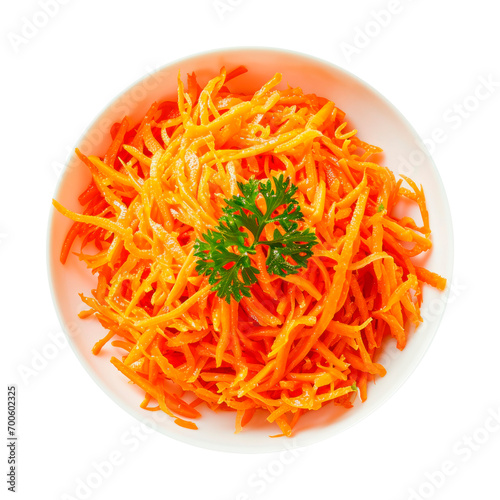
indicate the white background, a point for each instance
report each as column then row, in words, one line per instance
column 429, row 58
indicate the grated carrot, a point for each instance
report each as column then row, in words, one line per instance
column 301, row 341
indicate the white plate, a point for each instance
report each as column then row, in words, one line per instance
column 378, row 123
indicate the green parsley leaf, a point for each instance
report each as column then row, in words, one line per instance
column 223, row 256
column 380, row 208
column 295, row 244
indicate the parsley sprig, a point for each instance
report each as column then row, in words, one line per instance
column 223, row 256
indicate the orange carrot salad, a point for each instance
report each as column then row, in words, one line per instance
column 247, row 251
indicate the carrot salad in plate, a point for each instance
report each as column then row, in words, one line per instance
column 246, row 253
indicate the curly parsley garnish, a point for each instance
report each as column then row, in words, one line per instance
column 224, row 255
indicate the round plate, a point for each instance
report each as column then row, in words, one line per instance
column 378, row 123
